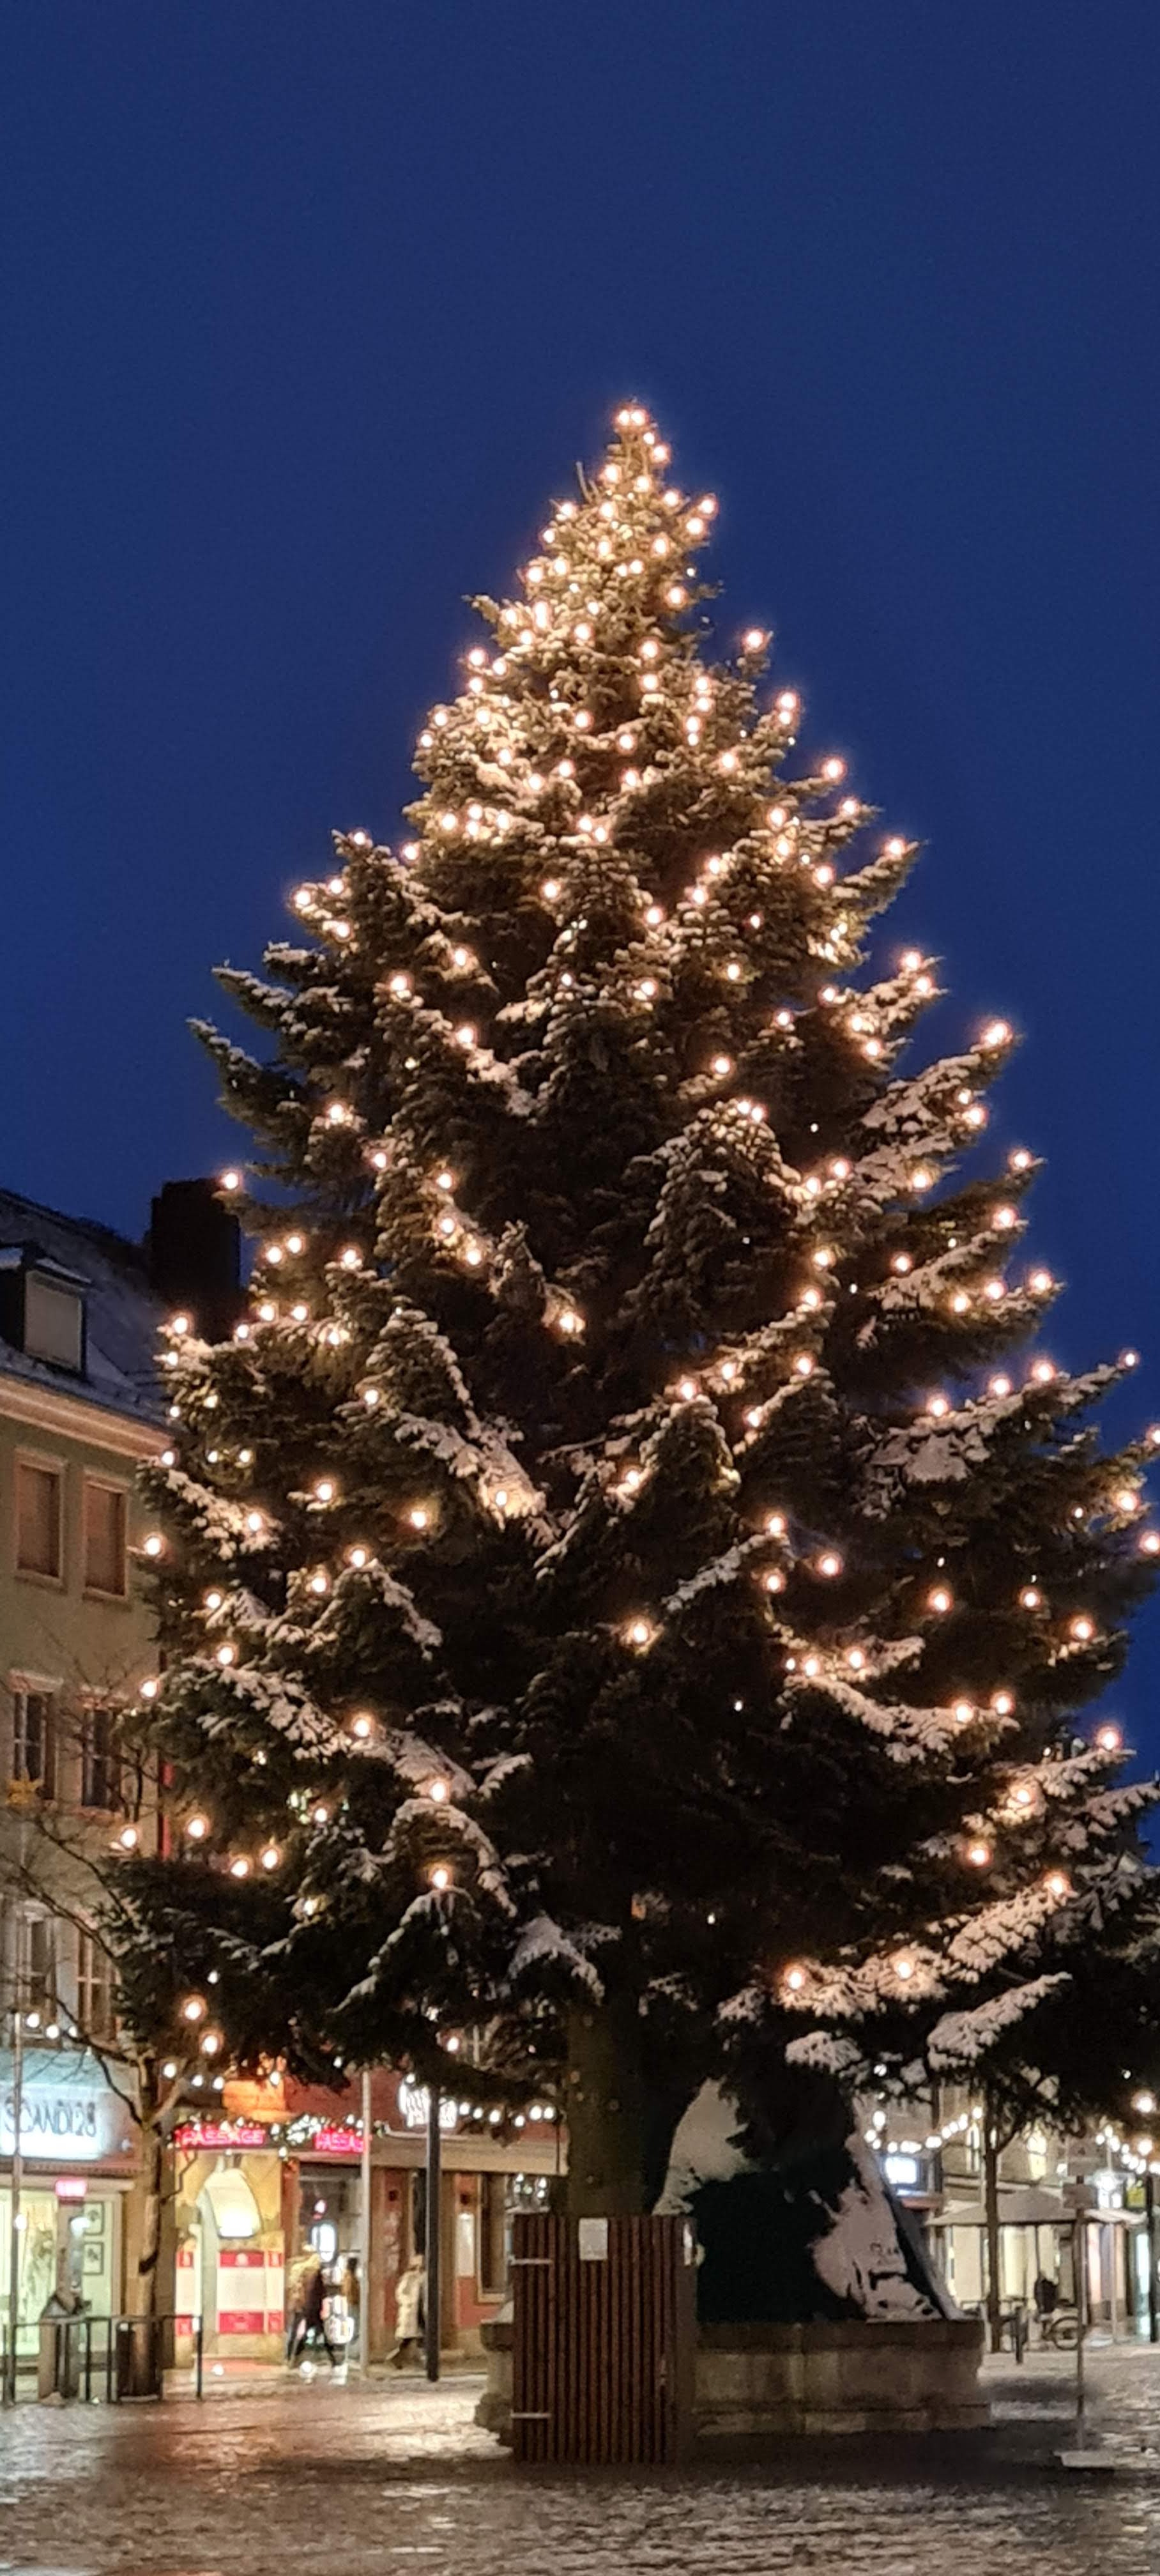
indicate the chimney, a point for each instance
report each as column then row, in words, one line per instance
column 193, row 1249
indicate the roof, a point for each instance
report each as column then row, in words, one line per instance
column 122, row 1310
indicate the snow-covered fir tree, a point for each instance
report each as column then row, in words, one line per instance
column 626, row 1589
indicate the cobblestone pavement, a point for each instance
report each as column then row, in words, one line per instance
column 311, row 2474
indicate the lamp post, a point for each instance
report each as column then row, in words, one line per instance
column 364, row 2227
column 434, row 2231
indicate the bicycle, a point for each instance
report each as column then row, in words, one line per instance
column 1059, row 2329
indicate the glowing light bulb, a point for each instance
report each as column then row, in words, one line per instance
column 830, row 1563
column 1083, row 1630
column 638, row 1633
column 960, row 1302
column 940, row 1600
column 1057, row 1883
column 154, row 1545
column 227, row 1655
column 979, row 1855
column 358, row 1557
column 239, row 1868
column 362, row 1728
column 812, row 1667
column 939, row 1405
column 440, row 1877
column 855, row 1658
column 962, row 1712
column 231, row 1180
column 321, row 1813
column 324, row 1491
column 774, row 1581
column 271, row 1856
column 803, row 1365
column 194, row 2008
column 903, row 1967
column 722, row 1065
column 795, row 1979
column 1040, row 1281
column 465, row 1035
column 1003, row 1703
column 1109, row 1739
column 1043, row 1372
column 999, row 1385
column 570, row 1321
column 1030, row 1598
column 419, row 1517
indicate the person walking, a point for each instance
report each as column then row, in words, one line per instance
column 409, row 2313
column 314, row 2319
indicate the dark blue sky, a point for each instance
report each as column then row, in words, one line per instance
column 308, row 309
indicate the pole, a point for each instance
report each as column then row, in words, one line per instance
column 364, row 2228
column 434, row 2231
column 1079, row 2267
column 1150, row 2226
column 17, row 2182
column 994, row 2241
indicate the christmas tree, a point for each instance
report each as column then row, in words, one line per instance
column 623, row 1609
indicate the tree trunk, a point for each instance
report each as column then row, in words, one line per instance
column 991, row 2213
column 606, row 2110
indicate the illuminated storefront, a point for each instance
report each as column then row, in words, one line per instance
column 78, row 2142
column 277, row 2174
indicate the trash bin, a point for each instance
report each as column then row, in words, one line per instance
column 138, row 2356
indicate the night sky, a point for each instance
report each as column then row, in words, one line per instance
column 307, row 311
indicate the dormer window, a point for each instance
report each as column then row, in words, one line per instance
column 42, row 1308
column 54, row 1322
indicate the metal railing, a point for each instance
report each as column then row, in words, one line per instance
column 90, row 2358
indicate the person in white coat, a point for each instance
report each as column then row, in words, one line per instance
column 409, row 2313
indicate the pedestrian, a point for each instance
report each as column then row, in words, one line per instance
column 295, row 2303
column 409, row 2313
column 1046, row 2296
column 351, row 2293
column 314, row 2318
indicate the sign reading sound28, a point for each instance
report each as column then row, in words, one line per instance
column 68, row 2114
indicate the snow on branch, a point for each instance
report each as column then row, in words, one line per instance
column 959, row 2039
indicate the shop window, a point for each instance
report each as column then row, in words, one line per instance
column 34, row 1734
column 100, row 1762
column 96, row 1989
column 104, row 1539
column 39, row 1500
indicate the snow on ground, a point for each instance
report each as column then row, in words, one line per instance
column 270, row 2477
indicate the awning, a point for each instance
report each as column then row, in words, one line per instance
column 1026, row 2207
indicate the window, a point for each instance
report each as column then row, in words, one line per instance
column 100, row 1761
column 34, row 1739
column 105, row 1539
column 54, row 1323
column 37, row 1971
column 96, row 2015
column 493, row 2234
column 39, row 1494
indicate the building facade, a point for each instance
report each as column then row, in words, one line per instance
column 80, row 1409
